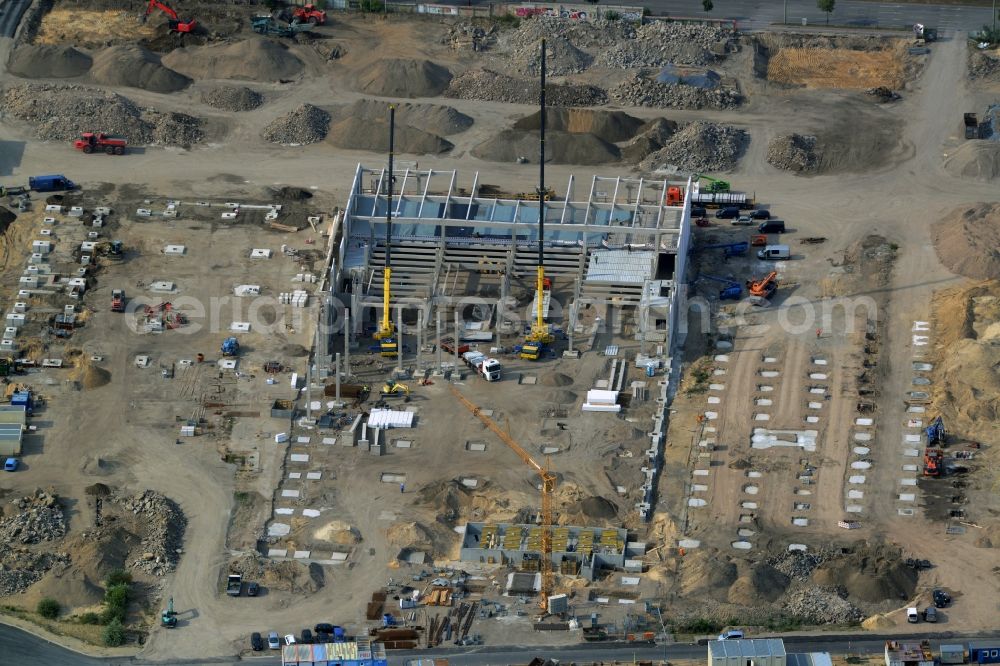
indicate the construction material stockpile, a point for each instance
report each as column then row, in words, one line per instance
column 661, row 43
column 44, row 61
column 794, row 152
column 966, row 241
column 419, row 127
column 135, row 67
column 701, row 146
column 255, row 59
column 490, row 86
column 640, row 89
column 59, row 113
column 396, row 77
column 306, row 124
column 232, row 98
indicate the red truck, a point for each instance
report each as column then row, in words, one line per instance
column 118, row 300
column 90, row 142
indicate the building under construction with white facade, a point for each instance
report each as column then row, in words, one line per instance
column 610, row 243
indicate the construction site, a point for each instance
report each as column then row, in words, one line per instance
column 417, row 328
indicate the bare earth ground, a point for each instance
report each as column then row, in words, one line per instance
column 133, row 419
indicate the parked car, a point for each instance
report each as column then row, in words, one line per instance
column 732, row 634
column 743, row 219
column 930, row 614
column 10, row 464
column 256, row 642
column 761, row 214
column 273, row 642
column 323, row 628
column 727, row 213
column 253, row 589
column 307, row 636
column 941, row 598
column 772, row 227
column 698, row 211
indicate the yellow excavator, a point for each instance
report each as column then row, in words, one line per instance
column 386, row 334
column 538, row 339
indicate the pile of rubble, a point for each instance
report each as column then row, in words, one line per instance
column 640, row 90
column 884, row 94
column 20, row 568
column 232, row 98
column 490, row 86
column 306, row 124
column 794, row 152
column 982, row 66
column 59, row 113
column 797, row 564
column 700, row 146
column 163, row 533
column 561, row 57
column 660, row 43
column 39, row 517
column 821, row 606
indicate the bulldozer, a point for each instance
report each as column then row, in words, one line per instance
column 393, row 389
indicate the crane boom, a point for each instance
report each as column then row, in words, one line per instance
column 548, row 487
column 386, row 331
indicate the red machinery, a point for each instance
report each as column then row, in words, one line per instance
column 176, row 25
column 764, row 288
column 933, row 462
column 117, row 300
column 90, row 142
column 309, row 14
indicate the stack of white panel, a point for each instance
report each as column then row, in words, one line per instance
column 297, row 299
column 390, row 418
column 602, row 401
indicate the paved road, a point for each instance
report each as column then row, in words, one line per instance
column 11, row 12
column 18, row 647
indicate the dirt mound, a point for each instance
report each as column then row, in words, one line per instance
column 135, row 67
column 967, row 241
column 595, row 508
column 97, row 466
column 793, row 152
column 430, row 118
column 286, row 576
column 707, row 573
column 7, row 218
column 88, row 376
column 871, row 573
column 255, row 59
column 563, row 397
column 304, row 125
column 58, row 113
column 975, row 159
column 360, row 134
column 560, row 148
column 701, row 146
column 407, row 535
column 489, row 86
column 611, row 126
column 41, row 61
column 760, row 582
column 396, row 77
column 232, row 98
column 556, row 379
column 294, row 350
column 338, row 532
column 651, row 137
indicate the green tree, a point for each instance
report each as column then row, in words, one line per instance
column 707, row 5
column 114, row 633
column 48, row 608
column 89, row 618
column 118, row 577
column 826, row 6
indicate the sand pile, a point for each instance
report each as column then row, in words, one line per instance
column 87, row 375
column 42, row 61
column 135, row 67
column 354, row 133
column 255, row 59
column 560, row 148
column 707, row 573
column 651, row 137
column 432, row 118
column 794, row 152
column 60, row 112
column 975, row 159
column 338, row 532
column 701, row 146
column 232, row 98
column 871, row 573
column 759, row 582
column 306, row 124
column 611, row 126
column 397, row 77
column 490, row 86
column 967, row 241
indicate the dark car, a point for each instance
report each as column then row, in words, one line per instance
column 698, row 211
column 253, row 589
column 307, row 637
column 727, row 213
column 256, row 642
column 323, row 628
column 930, row 614
column 941, row 598
column 761, row 214
column 772, row 227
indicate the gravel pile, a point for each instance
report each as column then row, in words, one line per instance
column 794, row 152
column 60, row 113
column 640, row 90
column 490, row 86
column 164, row 524
column 821, row 606
column 561, row 57
column 39, row 518
column 982, row 66
column 306, row 124
column 20, row 569
column 660, row 43
column 565, row 45
column 797, row 564
column 232, row 98
column 701, row 146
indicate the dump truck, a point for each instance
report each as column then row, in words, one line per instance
column 118, row 300
column 971, row 125
column 97, row 142
column 50, row 183
column 234, row 584
column 486, row 367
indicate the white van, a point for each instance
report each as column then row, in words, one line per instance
column 774, row 252
column 912, row 616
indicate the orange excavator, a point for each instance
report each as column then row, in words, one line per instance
column 933, row 462
column 176, row 24
column 763, row 288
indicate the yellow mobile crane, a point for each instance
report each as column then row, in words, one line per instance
column 548, row 487
column 386, row 334
column 540, row 336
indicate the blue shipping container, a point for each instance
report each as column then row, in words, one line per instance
column 984, row 653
